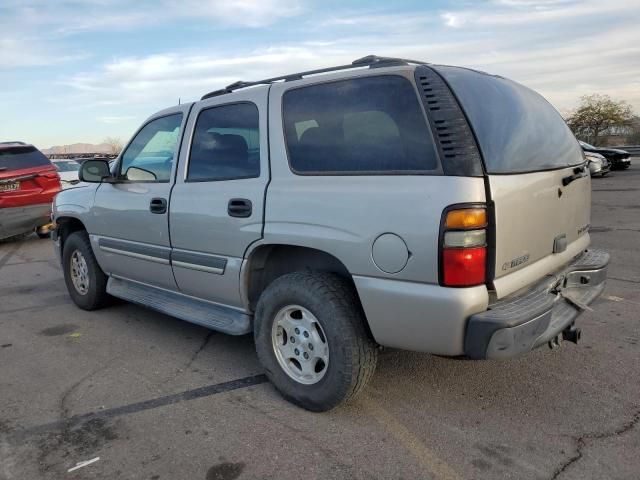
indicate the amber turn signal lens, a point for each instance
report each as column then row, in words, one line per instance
column 466, row 218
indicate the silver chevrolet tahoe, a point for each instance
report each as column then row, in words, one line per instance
column 386, row 202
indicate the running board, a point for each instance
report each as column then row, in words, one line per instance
column 200, row 312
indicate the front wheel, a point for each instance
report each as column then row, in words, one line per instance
column 311, row 338
column 86, row 282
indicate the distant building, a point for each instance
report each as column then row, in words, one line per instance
column 617, row 135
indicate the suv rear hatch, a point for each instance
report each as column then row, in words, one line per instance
column 536, row 178
column 27, row 177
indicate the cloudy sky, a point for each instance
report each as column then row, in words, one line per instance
column 81, row 70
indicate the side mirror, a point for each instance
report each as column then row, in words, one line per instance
column 94, row 171
column 136, row 174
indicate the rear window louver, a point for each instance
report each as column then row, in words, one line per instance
column 457, row 147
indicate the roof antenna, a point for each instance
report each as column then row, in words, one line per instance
column 178, row 100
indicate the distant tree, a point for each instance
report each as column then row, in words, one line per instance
column 115, row 145
column 596, row 114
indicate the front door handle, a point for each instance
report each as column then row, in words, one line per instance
column 239, row 207
column 158, row 205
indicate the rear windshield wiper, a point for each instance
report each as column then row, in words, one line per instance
column 578, row 172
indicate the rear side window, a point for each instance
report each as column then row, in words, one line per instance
column 226, row 144
column 371, row 125
column 17, row 158
column 518, row 131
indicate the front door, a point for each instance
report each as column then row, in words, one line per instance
column 132, row 235
column 216, row 206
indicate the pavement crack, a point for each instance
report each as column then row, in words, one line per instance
column 581, row 442
column 202, row 346
column 192, row 359
column 64, row 410
column 13, row 249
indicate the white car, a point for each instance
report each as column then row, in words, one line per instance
column 598, row 164
column 68, row 171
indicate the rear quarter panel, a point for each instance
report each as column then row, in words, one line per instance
column 344, row 214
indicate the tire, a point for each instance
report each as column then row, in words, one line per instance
column 351, row 353
column 94, row 294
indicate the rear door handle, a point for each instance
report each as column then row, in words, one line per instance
column 158, row 205
column 239, row 207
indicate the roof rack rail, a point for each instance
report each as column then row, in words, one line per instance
column 371, row 61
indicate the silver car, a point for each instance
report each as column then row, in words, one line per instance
column 385, row 202
column 598, row 165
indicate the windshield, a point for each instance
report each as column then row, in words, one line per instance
column 518, row 131
column 17, row 158
column 67, row 166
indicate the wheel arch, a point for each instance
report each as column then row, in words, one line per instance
column 65, row 226
column 267, row 262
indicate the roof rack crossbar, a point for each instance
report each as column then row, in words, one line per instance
column 370, row 61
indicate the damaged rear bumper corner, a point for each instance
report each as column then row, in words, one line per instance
column 513, row 326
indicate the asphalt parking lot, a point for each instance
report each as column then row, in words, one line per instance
column 156, row 398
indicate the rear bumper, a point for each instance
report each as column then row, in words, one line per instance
column 517, row 325
column 17, row 220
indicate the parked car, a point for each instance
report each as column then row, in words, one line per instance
column 68, row 171
column 619, row 158
column 385, row 202
column 28, row 183
column 598, row 165
column 81, row 160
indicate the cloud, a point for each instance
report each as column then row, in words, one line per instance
column 69, row 16
column 507, row 13
column 166, row 77
column 18, row 51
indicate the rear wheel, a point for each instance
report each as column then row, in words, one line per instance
column 311, row 338
column 86, row 282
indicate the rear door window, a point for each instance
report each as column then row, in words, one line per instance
column 518, row 131
column 226, row 144
column 370, row 125
column 17, row 158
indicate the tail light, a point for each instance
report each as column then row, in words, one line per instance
column 463, row 249
column 50, row 175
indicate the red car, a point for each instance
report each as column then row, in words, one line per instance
column 28, row 183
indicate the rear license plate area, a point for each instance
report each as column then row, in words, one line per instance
column 9, row 187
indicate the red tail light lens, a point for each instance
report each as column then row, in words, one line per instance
column 51, row 175
column 463, row 251
column 464, row 267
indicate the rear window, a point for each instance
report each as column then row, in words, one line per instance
column 17, row 158
column 370, row 125
column 71, row 166
column 517, row 129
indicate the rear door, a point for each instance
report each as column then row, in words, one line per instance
column 537, row 178
column 131, row 236
column 217, row 203
column 27, row 177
